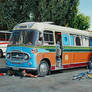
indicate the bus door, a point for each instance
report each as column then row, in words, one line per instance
column 58, row 38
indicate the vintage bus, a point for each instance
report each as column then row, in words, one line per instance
column 4, row 37
column 46, row 47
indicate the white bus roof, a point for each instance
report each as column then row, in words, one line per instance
column 41, row 26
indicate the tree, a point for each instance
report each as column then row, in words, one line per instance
column 82, row 22
column 14, row 11
column 50, row 10
column 61, row 12
column 71, row 13
column 2, row 24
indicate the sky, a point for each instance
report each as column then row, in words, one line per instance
column 85, row 7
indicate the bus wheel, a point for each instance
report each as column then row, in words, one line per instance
column 90, row 63
column 43, row 68
column 1, row 53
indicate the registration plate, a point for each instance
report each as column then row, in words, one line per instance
column 15, row 68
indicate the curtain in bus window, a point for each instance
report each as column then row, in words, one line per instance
column 65, row 38
column 71, row 40
column 87, row 41
column 84, row 41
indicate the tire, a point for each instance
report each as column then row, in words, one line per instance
column 1, row 53
column 43, row 69
column 90, row 62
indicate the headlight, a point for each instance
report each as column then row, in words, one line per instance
column 26, row 57
column 8, row 56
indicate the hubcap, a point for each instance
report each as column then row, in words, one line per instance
column 43, row 68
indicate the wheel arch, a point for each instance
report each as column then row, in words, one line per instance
column 48, row 61
column 44, row 60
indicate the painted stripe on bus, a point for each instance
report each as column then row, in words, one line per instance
column 75, row 65
column 82, row 49
column 65, row 48
column 3, row 42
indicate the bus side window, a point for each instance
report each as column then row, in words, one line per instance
column 65, row 38
column 2, row 37
column 48, row 37
column 78, row 41
column 85, row 41
column 7, row 36
column 90, row 42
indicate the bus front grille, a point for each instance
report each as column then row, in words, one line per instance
column 17, row 57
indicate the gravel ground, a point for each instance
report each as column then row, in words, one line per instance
column 56, row 82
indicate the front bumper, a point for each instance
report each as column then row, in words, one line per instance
column 21, row 68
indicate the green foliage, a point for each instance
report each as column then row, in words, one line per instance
column 61, row 12
column 14, row 11
column 82, row 22
column 58, row 11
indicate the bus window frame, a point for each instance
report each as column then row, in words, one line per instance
column 84, row 41
column 48, row 42
column 80, row 44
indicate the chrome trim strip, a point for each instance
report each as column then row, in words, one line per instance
column 76, row 63
column 18, row 51
column 21, row 68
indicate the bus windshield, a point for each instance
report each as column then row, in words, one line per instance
column 27, row 37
